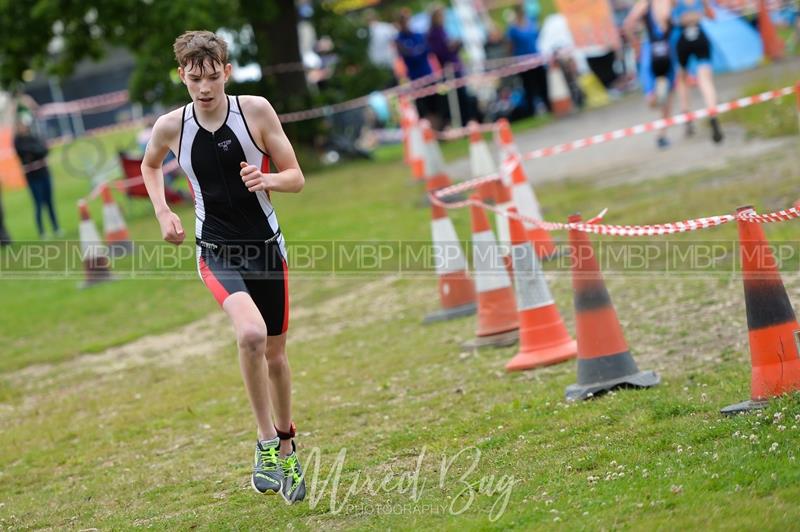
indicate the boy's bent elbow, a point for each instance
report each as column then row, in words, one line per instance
column 299, row 183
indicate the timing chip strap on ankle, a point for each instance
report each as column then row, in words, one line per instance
column 287, row 435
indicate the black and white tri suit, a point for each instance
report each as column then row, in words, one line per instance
column 240, row 247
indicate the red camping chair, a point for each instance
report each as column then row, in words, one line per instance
column 134, row 187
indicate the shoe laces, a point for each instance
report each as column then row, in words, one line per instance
column 291, row 469
column 269, row 458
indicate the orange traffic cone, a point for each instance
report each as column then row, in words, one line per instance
column 96, row 264
column 774, row 47
column 481, row 162
column 415, row 143
column 543, row 338
column 435, row 173
column 114, row 228
column 504, row 202
column 560, row 97
column 456, row 289
column 771, row 323
column 497, row 312
column 505, row 144
column 604, row 361
column 525, row 200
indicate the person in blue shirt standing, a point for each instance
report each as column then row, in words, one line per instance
column 693, row 42
column 522, row 34
column 413, row 49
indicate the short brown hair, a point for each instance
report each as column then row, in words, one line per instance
column 195, row 47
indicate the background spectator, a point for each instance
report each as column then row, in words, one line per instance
column 32, row 151
column 522, row 34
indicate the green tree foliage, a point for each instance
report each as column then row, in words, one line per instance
column 145, row 27
column 356, row 75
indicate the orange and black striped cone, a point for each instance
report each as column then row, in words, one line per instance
column 114, row 227
column 773, row 330
column 96, row 264
column 604, row 361
column 456, row 289
column 498, row 324
column 525, row 200
column 543, row 338
column 481, row 162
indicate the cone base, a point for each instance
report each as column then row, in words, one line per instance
column 543, row 357
column 451, row 313
column 744, row 406
column 580, row 392
column 504, row 339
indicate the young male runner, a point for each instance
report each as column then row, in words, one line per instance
column 224, row 144
column 655, row 15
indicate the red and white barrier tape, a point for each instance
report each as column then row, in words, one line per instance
column 396, row 135
column 419, row 88
column 84, row 105
column 591, row 226
column 460, row 132
column 623, row 133
column 355, row 103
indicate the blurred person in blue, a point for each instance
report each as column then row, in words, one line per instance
column 692, row 44
column 656, row 57
column 413, row 49
column 522, row 34
column 446, row 51
column 32, row 152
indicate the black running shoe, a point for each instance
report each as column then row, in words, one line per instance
column 267, row 475
column 716, row 131
column 294, row 483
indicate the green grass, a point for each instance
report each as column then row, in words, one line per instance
column 160, row 435
column 771, row 119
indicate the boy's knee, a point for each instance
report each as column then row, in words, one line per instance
column 252, row 337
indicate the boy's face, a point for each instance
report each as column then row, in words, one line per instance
column 206, row 83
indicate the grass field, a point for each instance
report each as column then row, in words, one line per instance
column 156, row 432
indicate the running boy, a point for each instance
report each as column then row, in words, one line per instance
column 224, row 144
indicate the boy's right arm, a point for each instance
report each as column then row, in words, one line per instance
column 164, row 132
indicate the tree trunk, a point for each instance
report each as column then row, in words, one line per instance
column 275, row 31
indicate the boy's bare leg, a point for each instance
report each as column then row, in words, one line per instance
column 280, row 379
column 251, row 337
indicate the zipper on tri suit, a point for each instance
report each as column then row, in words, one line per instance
column 219, row 167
